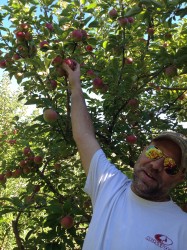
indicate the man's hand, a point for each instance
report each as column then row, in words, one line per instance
column 72, row 69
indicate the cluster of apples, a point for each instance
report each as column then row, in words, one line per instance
column 58, row 62
column 24, row 46
column 26, row 165
column 122, row 21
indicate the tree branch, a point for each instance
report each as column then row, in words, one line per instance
column 16, row 232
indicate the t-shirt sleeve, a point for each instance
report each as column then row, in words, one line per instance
column 103, row 177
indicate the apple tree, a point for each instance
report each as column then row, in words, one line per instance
column 133, row 58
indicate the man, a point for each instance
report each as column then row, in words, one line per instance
column 137, row 214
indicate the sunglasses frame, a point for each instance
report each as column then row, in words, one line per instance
column 167, row 169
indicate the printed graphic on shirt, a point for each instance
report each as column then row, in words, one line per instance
column 160, row 240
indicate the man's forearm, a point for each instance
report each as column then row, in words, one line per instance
column 82, row 126
column 81, row 121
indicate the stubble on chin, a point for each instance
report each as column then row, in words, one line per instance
column 142, row 189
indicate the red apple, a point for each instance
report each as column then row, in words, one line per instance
column 23, row 163
column 51, row 84
column 150, row 31
column 128, row 60
column 134, row 103
column 57, row 61
column 24, row 26
column 8, row 58
column 89, row 48
column 123, row 21
column 30, row 160
column 49, row 26
column 8, row 174
column 16, row 173
column 28, row 36
column 90, row 73
column 50, row 115
column 98, row 83
column 27, row 151
column 131, row 139
column 171, row 71
column 113, row 13
column 20, row 35
column 131, row 19
column 3, row 64
column 44, row 45
column 2, row 178
column 16, row 56
column 77, row 35
column 38, row 159
column 67, row 222
column 70, row 62
column 12, row 141
column 26, row 170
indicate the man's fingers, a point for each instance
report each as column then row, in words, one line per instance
column 66, row 67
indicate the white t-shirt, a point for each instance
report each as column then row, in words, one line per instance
column 123, row 221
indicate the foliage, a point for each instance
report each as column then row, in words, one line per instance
column 134, row 78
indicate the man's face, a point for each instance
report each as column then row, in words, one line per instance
column 150, row 179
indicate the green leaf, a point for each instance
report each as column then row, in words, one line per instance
column 3, row 28
column 35, row 2
column 91, row 6
column 156, row 3
column 182, row 13
column 35, row 101
column 32, row 9
column 93, row 24
column 6, row 7
column 87, row 20
column 105, row 44
column 6, row 211
column 134, row 11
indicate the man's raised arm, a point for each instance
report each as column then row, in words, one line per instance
column 82, row 126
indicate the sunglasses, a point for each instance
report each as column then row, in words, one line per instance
column 154, row 153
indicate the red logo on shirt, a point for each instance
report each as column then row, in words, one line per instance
column 161, row 241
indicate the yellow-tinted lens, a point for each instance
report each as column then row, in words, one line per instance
column 170, row 166
column 153, row 153
column 169, row 162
